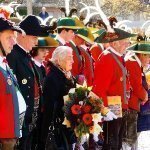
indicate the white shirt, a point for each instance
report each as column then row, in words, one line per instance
column 59, row 38
column 37, row 63
column 23, row 48
column 2, row 64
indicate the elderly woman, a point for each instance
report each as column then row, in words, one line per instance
column 57, row 84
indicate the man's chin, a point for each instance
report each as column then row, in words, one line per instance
column 8, row 51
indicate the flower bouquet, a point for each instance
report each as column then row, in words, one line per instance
column 82, row 109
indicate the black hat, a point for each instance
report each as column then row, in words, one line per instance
column 31, row 26
column 8, row 25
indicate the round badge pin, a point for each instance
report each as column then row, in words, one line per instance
column 121, row 78
column 24, row 81
column 9, row 81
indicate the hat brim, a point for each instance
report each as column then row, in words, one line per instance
column 85, row 38
column 120, row 35
column 140, row 52
column 69, row 27
column 142, row 48
column 52, row 43
column 14, row 28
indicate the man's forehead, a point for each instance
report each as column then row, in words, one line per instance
column 8, row 32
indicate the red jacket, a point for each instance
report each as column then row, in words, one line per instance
column 135, row 77
column 9, row 110
column 108, row 78
column 95, row 51
column 87, row 66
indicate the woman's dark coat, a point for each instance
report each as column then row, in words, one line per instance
column 55, row 87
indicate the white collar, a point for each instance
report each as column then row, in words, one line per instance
column 1, row 59
column 114, row 51
column 23, row 48
column 37, row 62
column 84, row 47
column 59, row 38
column 2, row 64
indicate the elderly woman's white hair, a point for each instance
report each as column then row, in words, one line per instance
column 60, row 54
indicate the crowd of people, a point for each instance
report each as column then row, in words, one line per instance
column 39, row 67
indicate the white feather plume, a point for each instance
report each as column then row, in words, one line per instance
column 43, row 22
column 118, row 24
column 145, row 23
column 67, row 6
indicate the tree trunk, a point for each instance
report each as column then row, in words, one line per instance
column 29, row 7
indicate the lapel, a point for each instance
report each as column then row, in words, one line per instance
column 24, row 58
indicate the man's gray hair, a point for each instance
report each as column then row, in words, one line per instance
column 60, row 53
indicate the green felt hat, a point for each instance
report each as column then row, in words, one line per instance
column 142, row 47
column 46, row 42
column 86, row 35
column 68, row 23
column 107, row 37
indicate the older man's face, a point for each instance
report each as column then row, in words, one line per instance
column 8, row 40
column 121, row 45
column 30, row 41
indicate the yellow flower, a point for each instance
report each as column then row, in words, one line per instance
column 96, row 118
column 67, row 123
column 96, row 129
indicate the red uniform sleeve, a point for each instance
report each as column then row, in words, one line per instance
column 103, row 74
column 135, row 77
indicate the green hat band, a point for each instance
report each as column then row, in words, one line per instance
column 42, row 42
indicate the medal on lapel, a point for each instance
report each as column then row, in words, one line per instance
column 9, row 81
column 24, row 81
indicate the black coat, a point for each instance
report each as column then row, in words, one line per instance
column 19, row 62
column 55, row 87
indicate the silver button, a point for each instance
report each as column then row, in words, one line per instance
column 28, row 87
column 29, row 77
column 28, row 96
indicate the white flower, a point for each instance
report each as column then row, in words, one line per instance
column 97, row 117
column 66, row 98
column 81, row 103
column 72, row 90
column 84, row 138
column 95, row 129
column 67, row 123
column 95, row 137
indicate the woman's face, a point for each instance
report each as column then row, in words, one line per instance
column 145, row 59
column 42, row 52
column 67, row 62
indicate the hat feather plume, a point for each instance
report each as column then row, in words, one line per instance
column 145, row 23
column 103, row 17
column 67, row 7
